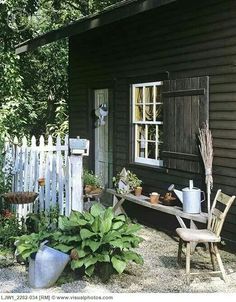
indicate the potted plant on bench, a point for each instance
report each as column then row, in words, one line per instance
column 92, row 183
column 135, row 183
column 126, row 182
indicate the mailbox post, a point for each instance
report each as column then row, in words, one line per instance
column 77, row 148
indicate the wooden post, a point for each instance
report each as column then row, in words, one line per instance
column 41, row 169
column 78, row 147
column 76, row 182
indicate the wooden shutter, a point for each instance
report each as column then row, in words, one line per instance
column 186, row 107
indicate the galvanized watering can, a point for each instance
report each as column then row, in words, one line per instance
column 47, row 266
column 190, row 198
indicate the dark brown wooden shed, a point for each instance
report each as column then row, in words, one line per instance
column 162, row 67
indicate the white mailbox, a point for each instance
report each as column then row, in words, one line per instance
column 79, row 146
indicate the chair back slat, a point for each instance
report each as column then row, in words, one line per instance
column 219, row 210
column 213, row 221
column 223, row 198
column 217, row 213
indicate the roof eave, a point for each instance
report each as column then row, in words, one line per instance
column 113, row 14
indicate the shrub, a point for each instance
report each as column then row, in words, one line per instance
column 5, row 178
column 42, row 221
column 97, row 238
column 9, row 227
column 38, row 228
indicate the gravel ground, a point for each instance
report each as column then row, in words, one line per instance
column 159, row 274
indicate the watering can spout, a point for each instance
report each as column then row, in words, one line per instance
column 178, row 193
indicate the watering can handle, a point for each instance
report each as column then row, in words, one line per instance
column 204, row 196
column 43, row 243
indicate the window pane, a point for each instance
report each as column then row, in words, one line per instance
column 152, row 132
column 141, row 132
column 138, row 95
column 158, row 94
column 138, row 113
column 140, row 149
column 159, row 112
column 149, row 94
column 151, row 150
column 149, row 113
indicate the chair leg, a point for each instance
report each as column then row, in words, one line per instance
column 220, row 262
column 212, row 254
column 188, row 252
column 180, row 251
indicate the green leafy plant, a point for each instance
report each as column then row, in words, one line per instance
column 28, row 244
column 38, row 228
column 129, row 179
column 9, row 227
column 42, row 221
column 133, row 180
column 89, row 178
column 27, row 101
column 98, row 238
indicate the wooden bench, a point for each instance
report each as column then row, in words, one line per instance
column 118, row 200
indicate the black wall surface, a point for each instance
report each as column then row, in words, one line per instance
column 185, row 39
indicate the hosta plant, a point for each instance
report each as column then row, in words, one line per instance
column 28, row 244
column 98, row 238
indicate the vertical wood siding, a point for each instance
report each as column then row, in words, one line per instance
column 185, row 39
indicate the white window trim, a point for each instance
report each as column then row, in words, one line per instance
column 137, row 159
column 149, row 161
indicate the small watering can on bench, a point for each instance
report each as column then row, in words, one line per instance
column 190, row 198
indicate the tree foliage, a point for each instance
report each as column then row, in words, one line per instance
column 33, row 86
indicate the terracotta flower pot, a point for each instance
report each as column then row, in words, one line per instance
column 96, row 191
column 41, row 182
column 88, row 189
column 154, row 197
column 138, row 191
column 7, row 213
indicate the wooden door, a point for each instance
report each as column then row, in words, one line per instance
column 103, row 144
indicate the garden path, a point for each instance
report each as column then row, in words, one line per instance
column 159, row 274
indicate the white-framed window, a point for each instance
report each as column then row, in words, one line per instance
column 147, row 122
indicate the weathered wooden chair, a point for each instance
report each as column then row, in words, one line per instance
column 210, row 236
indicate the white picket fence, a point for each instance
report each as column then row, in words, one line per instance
column 62, row 173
